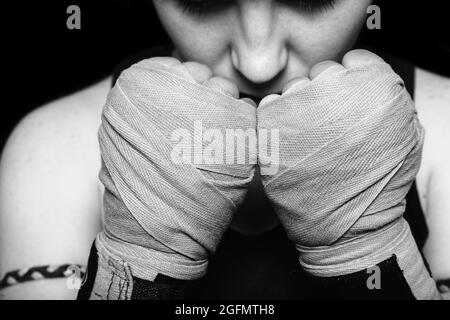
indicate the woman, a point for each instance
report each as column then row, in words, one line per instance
column 51, row 196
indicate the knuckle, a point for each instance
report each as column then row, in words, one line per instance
column 295, row 83
column 199, row 72
column 224, row 85
column 167, row 62
column 360, row 56
column 320, row 67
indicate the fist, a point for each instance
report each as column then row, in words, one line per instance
column 353, row 59
column 201, row 74
column 314, row 110
column 169, row 179
column 346, row 132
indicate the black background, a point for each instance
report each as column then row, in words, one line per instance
column 44, row 60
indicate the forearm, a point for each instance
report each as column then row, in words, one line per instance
column 164, row 213
column 360, row 155
column 47, row 289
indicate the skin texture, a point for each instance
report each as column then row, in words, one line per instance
column 50, row 195
column 261, row 45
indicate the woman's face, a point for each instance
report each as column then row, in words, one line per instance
column 262, row 44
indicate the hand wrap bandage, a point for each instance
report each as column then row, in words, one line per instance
column 162, row 216
column 350, row 149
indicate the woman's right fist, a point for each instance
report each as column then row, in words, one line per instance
column 199, row 73
column 161, row 215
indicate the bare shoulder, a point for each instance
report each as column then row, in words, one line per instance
column 433, row 105
column 50, row 197
column 432, row 99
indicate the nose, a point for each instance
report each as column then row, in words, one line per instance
column 259, row 53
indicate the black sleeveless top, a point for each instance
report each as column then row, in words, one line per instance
column 266, row 266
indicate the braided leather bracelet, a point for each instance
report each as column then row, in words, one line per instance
column 41, row 272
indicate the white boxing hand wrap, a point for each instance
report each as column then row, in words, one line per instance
column 162, row 215
column 350, row 149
